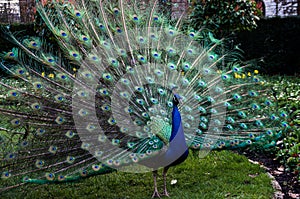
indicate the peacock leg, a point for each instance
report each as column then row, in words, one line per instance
column 165, row 181
column 155, row 194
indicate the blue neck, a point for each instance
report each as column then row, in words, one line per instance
column 176, row 123
column 177, row 139
column 178, row 149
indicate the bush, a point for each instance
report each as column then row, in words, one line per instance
column 276, row 43
column 288, row 148
column 223, row 17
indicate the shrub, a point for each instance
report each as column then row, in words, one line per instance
column 224, row 17
column 288, row 149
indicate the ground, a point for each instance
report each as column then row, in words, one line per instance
column 288, row 181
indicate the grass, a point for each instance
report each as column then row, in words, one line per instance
column 219, row 175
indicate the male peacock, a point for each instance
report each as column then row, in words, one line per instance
column 109, row 97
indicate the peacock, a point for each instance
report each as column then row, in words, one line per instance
column 121, row 87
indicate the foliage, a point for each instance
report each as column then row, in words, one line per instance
column 275, row 43
column 219, row 175
column 223, row 17
column 288, row 95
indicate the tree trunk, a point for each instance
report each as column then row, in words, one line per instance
column 179, row 8
column 27, row 10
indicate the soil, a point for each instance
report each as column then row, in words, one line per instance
column 288, row 181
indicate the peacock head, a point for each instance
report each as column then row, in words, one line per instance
column 176, row 99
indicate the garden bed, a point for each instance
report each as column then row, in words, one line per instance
column 287, row 180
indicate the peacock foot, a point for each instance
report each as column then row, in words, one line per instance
column 165, row 193
column 155, row 194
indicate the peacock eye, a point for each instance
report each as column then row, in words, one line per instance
column 269, row 132
column 50, row 176
column 6, row 174
column 16, row 122
column 11, row 156
column 24, row 143
column 186, row 66
column 101, row 26
column 135, row 18
column 61, row 178
column 70, row 134
column 77, row 13
column 119, row 30
column 206, row 71
column 254, row 106
column 154, row 101
column 283, row 114
column 268, row 103
column 122, row 51
column 190, row 51
column 141, row 39
column 158, row 72
column 284, row 124
column 116, row 11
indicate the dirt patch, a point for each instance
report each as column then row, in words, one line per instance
column 288, row 181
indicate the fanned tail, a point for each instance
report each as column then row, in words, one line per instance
column 103, row 100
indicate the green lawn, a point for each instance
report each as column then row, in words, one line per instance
column 220, row 175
